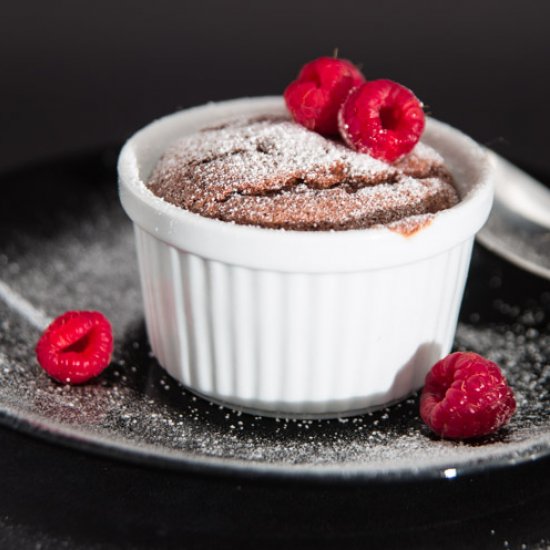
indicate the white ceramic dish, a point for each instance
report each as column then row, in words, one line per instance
column 299, row 323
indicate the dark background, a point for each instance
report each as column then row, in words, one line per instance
column 76, row 75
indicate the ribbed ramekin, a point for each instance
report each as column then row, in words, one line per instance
column 299, row 323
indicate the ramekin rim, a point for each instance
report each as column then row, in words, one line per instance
column 470, row 213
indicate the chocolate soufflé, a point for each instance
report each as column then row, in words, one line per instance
column 273, row 173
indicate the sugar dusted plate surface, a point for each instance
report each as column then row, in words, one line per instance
column 71, row 247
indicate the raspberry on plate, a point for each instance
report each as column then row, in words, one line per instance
column 76, row 346
column 381, row 118
column 315, row 97
column 465, row 396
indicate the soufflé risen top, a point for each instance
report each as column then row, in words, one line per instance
column 271, row 172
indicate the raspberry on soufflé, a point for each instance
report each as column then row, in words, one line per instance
column 381, row 118
column 315, row 97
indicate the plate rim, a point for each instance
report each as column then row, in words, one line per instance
column 145, row 455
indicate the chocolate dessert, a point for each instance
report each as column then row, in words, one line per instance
column 272, row 172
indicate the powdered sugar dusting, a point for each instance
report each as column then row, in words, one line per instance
column 274, row 173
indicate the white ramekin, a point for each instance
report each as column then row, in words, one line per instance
column 299, row 323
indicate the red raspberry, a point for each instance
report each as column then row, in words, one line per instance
column 315, row 97
column 466, row 395
column 76, row 346
column 381, row 118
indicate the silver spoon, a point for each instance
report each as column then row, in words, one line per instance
column 518, row 228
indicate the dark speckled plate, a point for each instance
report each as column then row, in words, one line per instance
column 66, row 244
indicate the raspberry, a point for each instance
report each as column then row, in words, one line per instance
column 315, row 97
column 466, row 395
column 381, row 118
column 76, row 346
